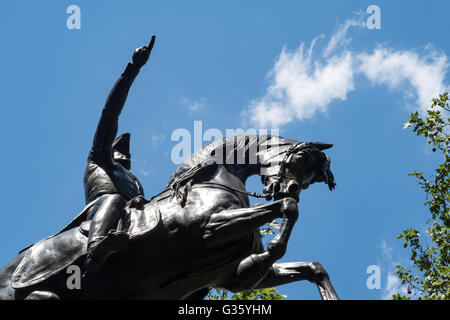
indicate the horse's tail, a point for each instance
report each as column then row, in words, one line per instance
column 6, row 291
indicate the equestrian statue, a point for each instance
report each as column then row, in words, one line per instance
column 199, row 233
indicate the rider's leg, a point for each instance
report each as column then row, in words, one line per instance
column 106, row 215
column 255, row 267
column 103, row 240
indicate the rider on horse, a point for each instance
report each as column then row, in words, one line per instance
column 108, row 183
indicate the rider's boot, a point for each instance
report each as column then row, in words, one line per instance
column 102, row 248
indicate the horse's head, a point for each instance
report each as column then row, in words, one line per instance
column 297, row 167
column 285, row 166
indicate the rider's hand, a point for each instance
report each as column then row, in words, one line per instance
column 141, row 55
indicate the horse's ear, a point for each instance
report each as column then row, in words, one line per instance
column 321, row 146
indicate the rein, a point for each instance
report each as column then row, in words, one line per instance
column 222, row 186
column 292, row 149
column 279, row 175
column 180, row 189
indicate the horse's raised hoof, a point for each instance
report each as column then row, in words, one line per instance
column 114, row 242
column 289, row 208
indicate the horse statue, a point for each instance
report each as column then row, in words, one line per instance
column 198, row 233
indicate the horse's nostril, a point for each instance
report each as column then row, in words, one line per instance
column 293, row 187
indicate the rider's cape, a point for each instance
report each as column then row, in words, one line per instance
column 54, row 254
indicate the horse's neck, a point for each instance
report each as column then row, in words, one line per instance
column 234, row 175
column 223, row 175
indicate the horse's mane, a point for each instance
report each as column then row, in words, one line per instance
column 230, row 146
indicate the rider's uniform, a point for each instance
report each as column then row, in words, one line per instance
column 108, row 182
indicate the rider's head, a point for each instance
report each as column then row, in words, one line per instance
column 121, row 149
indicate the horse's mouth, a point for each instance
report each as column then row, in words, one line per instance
column 282, row 195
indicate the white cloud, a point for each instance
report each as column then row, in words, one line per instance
column 269, row 113
column 157, row 140
column 303, row 84
column 340, row 38
column 386, row 250
column 300, row 87
column 393, row 286
column 194, row 105
column 144, row 172
column 421, row 78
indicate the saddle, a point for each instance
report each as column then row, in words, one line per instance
column 51, row 255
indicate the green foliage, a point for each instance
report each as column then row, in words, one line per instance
column 269, row 228
column 216, row 294
column 257, row 294
column 400, row 297
column 431, row 279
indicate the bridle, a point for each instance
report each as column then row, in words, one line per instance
column 280, row 175
column 180, row 191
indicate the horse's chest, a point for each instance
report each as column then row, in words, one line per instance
column 189, row 222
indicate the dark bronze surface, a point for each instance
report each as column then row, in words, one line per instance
column 198, row 233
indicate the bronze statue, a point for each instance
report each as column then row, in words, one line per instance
column 198, row 233
column 108, row 182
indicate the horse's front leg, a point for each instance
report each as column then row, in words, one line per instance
column 232, row 225
column 254, row 268
column 287, row 272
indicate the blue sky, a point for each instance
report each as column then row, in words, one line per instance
column 229, row 64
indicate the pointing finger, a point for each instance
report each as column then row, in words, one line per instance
column 152, row 42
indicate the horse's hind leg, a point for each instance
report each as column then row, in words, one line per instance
column 254, row 268
column 42, row 295
column 288, row 272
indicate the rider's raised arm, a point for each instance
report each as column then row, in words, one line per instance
column 109, row 120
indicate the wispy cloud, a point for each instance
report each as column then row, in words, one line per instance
column 301, row 87
column 392, row 284
column 145, row 172
column 340, row 38
column 141, row 164
column 419, row 77
column 194, row 105
column 157, row 139
column 386, row 250
column 303, row 84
